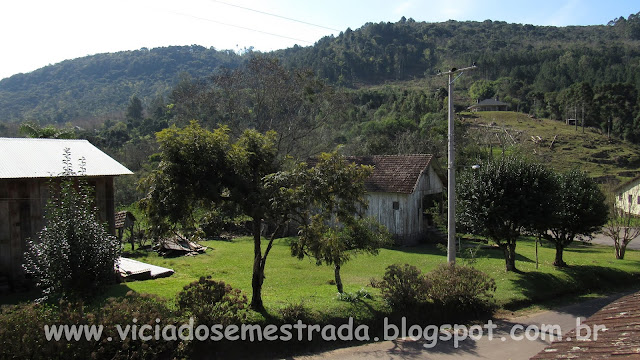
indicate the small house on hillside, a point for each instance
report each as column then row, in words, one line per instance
column 628, row 196
column 26, row 169
column 400, row 189
column 489, row 105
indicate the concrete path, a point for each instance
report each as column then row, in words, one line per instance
column 502, row 346
column 605, row 240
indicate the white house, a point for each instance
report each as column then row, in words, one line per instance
column 400, row 189
column 628, row 196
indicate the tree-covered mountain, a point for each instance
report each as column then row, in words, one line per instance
column 103, row 84
column 528, row 66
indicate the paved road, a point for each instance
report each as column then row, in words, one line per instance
column 605, row 240
column 482, row 348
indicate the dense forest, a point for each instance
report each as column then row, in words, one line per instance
column 373, row 90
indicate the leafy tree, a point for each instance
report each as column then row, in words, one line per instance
column 482, row 89
column 332, row 229
column 578, row 208
column 201, row 170
column 74, row 255
column 192, row 174
column 502, row 199
column 34, row 130
column 134, row 114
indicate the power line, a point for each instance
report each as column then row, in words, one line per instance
column 241, row 27
column 274, row 15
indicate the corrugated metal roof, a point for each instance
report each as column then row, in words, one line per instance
column 36, row 158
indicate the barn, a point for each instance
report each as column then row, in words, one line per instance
column 27, row 168
column 399, row 191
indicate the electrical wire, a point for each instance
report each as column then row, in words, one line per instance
column 274, row 15
column 241, row 27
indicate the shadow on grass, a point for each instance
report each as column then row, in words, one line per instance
column 578, row 279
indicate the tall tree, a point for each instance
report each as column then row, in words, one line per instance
column 501, row 199
column 332, row 228
column 578, row 208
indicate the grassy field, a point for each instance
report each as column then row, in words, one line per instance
column 291, row 281
column 591, row 151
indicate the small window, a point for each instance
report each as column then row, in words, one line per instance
column 630, row 199
column 638, row 200
column 396, row 205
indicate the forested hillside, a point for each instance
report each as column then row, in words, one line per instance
column 533, row 63
column 102, row 84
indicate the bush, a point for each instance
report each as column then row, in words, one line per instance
column 461, row 290
column 22, row 332
column 403, row 286
column 146, row 310
column 293, row 312
column 354, row 297
column 74, row 255
column 213, row 302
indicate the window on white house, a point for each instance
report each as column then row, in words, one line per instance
column 630, row 199
column 396, row 205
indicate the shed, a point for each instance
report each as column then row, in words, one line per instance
column 400, row 189
column 489, row 105
column 27, row 167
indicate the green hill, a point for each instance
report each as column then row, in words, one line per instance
column 534, row 60
column 557, row 144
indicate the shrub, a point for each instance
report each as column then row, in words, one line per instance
column 22, row 332
column 294, row 312
column 403, row 286
column 139, row 310
column 354, row 297
column 213, row 302
column 74, row 255
column 461, row 290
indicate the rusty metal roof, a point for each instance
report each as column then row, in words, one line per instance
column 620, row 338
column 393, row 173
column 40, row 158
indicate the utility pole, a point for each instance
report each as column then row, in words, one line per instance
column 451, row 170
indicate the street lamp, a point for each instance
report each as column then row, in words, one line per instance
column 451, row 170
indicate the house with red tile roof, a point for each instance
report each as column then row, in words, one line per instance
column 399, row 191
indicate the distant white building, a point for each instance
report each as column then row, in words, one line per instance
column 628, row 196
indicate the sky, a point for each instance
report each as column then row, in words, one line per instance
column 36, row 33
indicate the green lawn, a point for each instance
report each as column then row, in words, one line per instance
column 289, row 280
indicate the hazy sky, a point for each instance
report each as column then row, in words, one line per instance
column 35, row 33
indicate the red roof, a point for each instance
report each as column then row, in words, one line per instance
column 619, row 340
column 393, row 173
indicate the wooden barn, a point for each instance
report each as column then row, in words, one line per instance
column 27, row 167
column 400, row 189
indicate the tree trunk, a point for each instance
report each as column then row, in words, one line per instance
column 336, row 271
column 509, row 256
column 258, row 273
column 620, row 250
column 558, row 261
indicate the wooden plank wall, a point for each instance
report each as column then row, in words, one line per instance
column 22, row 209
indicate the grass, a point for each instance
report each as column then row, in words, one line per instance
column 288, row 280
column 591, row 151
